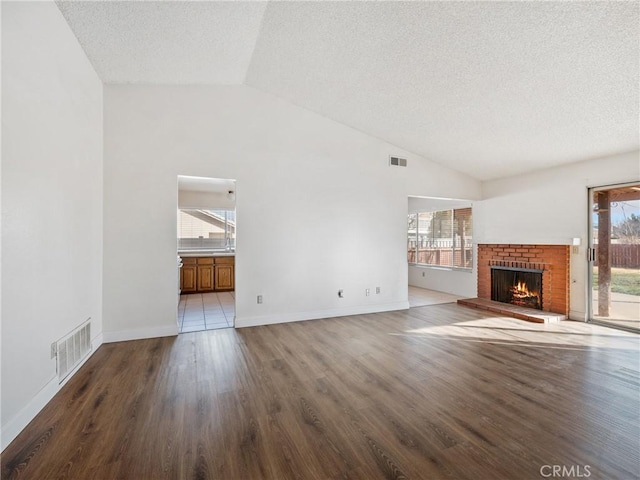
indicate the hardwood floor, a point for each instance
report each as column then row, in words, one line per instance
column 433, row 392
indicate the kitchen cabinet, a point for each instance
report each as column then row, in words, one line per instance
column 188, row 276
column 224, row 274
column 207, row 274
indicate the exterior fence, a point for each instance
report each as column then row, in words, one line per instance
column 623, row 255
column 441, row 256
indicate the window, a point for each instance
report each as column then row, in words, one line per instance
column 201, row 229
column 443, row 238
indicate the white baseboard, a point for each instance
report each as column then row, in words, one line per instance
column 140, row 333
column 318, row 314
column 14, row 426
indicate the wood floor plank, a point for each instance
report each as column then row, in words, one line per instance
column 436, row 392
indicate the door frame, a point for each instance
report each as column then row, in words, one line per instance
column 590, row 256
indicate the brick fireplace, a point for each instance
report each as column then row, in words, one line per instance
column 551, row 260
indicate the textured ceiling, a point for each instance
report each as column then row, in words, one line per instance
column 167, row 42
column 487, row 88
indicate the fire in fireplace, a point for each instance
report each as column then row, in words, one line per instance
column 518, row 286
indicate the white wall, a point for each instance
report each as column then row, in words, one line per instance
column 422, row 204
column 550, row 207
column 51, row 202
column 318, row 207
column 193, row 199
column 455, row 282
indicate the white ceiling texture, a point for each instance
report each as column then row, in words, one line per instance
column 488, row 88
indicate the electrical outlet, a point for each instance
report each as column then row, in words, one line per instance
column 576, row 249
column 259, row 298
column 366, row 292
column 340, row 292
column 377, row 290
column 54, row 350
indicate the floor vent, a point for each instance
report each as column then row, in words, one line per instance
column 72, row 349
column 397, row 162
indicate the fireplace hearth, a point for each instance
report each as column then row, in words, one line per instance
column 517, row 286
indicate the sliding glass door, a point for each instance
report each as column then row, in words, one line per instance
column 614, row 256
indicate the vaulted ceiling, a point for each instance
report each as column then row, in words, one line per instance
column 487, row 88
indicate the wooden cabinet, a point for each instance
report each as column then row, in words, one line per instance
column 188, row 275
column 224, row 274
column 207, row 274
column 205, row 278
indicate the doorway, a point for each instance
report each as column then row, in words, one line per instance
column 206, row 240
column 614, row 256
column 439, row 250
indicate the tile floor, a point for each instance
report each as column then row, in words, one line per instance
column 206, row 311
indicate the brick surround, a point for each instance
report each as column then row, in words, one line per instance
column 553, row 260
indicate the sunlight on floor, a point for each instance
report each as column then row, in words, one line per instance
column 510, row 330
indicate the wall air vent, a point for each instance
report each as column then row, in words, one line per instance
column 397, row 162
column 72, row 349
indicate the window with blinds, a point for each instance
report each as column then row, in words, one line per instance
column 201, row 229
column 443, row 238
